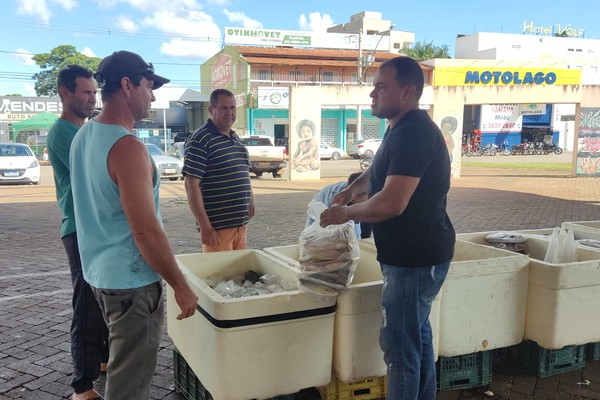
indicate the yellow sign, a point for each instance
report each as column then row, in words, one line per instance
column 491, row 76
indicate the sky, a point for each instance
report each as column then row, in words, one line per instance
column 177, row 36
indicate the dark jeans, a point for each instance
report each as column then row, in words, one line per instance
column 89, row 334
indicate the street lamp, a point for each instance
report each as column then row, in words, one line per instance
column 366, row 61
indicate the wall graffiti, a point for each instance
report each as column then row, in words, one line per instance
column 588, row 143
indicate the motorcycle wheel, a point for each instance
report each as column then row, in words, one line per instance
column 364, row 164
column 506, row 151
column 493, row 151
column 558, row 150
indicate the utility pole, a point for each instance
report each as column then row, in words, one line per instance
column 360, row 60
column 359, row 82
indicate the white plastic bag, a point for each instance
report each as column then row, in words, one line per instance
column 328, row 256
column 562, row 247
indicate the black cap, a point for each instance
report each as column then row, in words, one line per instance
column 125, row 63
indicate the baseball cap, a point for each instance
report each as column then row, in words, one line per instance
column 125, row 63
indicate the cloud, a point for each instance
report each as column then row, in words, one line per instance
column 150, row 6
column 218, row 2
column 28, row 90
column 243, row 19
column 66, row 4
column 40, row 9
column 126, row 24
column 88, row 52
column 36, row 8
column 317, row 23
column 24, row 57
column 195, row 34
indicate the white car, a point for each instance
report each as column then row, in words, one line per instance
column 168, row 167
column 331, row 153
column 367, row 147
column 18, row 164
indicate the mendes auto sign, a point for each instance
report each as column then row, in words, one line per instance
column 491, row 76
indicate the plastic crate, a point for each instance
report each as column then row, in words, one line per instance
column 369, row 388
column 466, row 371
column 188, row 384
column 593, row 351
column 186, row 381
column 542, row 362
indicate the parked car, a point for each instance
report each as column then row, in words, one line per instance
column 181, row 137
column 176, row 150
column 18, row 164
column 331, row 153
column 264, row 156
column 168, row 167
column 367, row 147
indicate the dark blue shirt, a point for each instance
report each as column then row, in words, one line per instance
column 223, row 167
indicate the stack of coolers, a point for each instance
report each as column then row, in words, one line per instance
column 493, row 298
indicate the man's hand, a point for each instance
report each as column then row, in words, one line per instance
column 186, row 300
column 209, row 236
column 334, row 215
column 342, row 198
column 251, row 210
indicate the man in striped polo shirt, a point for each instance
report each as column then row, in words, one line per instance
column 216, row 170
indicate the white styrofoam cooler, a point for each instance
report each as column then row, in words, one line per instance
column 356, row 351
column 484, row 300
column 253, row 347
column 563, row 299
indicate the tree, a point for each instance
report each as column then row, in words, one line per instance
column 52, row 62
column 421, row 51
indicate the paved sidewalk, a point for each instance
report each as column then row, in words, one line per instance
column 35, row 291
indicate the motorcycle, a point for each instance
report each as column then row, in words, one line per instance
column 553, row 147
column 504, row 149
column 489, row 149
column 365, row 162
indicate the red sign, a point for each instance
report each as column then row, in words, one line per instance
column 221, row 72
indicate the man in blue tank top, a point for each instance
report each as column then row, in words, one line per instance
column 408, row 184
column 124, row 249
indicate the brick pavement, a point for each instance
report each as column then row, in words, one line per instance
column 35, row 285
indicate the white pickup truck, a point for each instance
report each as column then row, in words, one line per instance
column 264, row 156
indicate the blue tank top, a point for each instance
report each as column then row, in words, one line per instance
column 109, row 256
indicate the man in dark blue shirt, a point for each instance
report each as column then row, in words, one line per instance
column 408, row 185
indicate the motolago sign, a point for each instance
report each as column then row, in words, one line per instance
column 508, row 77
column 505, row 76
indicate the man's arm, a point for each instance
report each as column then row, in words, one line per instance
column 208, row 234
column 389, row 202
column 130, row 168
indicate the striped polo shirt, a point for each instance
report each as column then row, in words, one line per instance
column 223, row 167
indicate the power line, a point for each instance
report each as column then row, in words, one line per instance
column 110, row 32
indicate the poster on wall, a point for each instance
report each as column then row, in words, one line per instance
column 305, row 135
column 452, row 137
column 500, row 118
column 588, row 143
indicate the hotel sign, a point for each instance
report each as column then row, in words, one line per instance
column 552, row 30
column 494, row 76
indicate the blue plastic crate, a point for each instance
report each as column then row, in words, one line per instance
column 190, row 386
column 186, row 381
column 466, row 371
column 593, row 351
column 542, row 362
